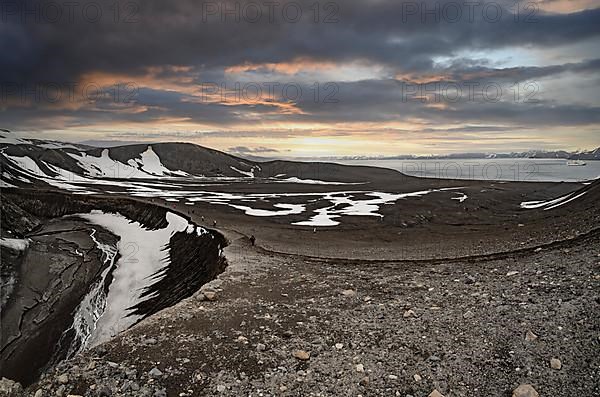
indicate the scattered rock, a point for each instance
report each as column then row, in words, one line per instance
column 360, row 368
column 468, row 314
column 301, row 355
column 555, row 363
column 10, row 388
column 155, row 373
column 417, row 377
column 261, row 347
column 409, row 313
column 530, row 336
column 392, row 377
column 512, row 273
column 210, row 295
column 221, row 388
column 38, row 393
column 525, row 391
column 62, row 379
column 339, row 346
column 242, row 339
column 160, row 393
column 349, row 292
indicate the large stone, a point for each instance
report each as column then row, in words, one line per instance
column 10, row 388
column 155, row 373
column 530, row 336
column 525, row 391
column 301, row 355
column 210, row 295
column 62, row 379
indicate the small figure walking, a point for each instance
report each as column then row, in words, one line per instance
column 214, row 223
column 202, row 218
column 252, row 240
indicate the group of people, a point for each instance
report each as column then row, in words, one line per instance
column 252, row 238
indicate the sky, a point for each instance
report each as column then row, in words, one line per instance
column 305, row 78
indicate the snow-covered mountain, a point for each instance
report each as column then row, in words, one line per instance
column 24, row 161
column 75, row 167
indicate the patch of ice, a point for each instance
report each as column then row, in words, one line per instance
column 288, row 209
column 462, row 197
column 16, row 244
column 6, row 184
column 142, row 256
column 294, row 179
column 249, row 174
column 550, row 204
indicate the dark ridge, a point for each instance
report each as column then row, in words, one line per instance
column 56, row 204
column 195, row 260
column 15, row 219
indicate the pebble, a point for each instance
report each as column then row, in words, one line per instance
column 392, row 377
column 468, row 314
column 261, row 347
column 435, row 393
column 339, row 346
column 210, row 295
column 525, row 391
column 555, row 363
column 63, row 379
column 38, row 393
column 360, row 368
column 348, row 292
column 408, row 313
column 301, row 355
column 530, row 336
column 417, row 377
column 221, row 388
column 155, row 373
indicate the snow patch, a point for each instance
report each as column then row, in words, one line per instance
column 16, row 244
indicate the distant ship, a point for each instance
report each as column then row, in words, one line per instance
column 576, row 162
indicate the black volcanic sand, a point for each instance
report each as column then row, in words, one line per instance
column 464, row 334
column 450, row 297
column 434, row 225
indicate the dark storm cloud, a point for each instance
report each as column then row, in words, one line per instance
column 256, row 150
column 176, row 43
column 175, row 33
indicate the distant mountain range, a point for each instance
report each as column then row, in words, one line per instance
column 532, row 154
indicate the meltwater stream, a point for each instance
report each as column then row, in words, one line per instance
column 94, row 303
column 103, row 313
